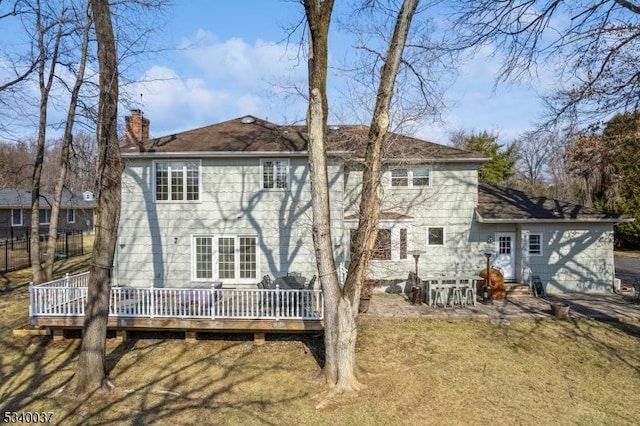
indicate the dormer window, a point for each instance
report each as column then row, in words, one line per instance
column 275, row 174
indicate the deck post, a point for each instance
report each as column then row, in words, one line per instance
column 277, row 302
column 259, row 339
column 190, row 336
column 58, row 334
column 122, row 336
column 31, row 299
column 66, row 279
column 152, row 308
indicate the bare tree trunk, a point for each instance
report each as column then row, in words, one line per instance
column 45, row 89
column 341, row 304
column 91, row 373
column 319, row 18
column 64, row 154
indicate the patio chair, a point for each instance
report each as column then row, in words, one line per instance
column 536, row 286
column 311, row 283
column 267, row 282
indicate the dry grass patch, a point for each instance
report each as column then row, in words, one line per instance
column 417, row 372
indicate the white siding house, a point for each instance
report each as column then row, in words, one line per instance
column 229, row 203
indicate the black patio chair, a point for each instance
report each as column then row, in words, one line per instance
column 267, row 282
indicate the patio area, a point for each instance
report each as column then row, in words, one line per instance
column 610, row 307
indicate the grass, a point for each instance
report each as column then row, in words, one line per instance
column 416, row 372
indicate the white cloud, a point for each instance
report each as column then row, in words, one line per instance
column 220, row 80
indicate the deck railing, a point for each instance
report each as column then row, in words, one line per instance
column 68, row 297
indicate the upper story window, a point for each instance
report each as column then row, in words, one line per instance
column 275, row 174
column 535, row 244
column 45, row 217
column 16, row 217
column 71, row 216
column 177, row 180
column 411, row 177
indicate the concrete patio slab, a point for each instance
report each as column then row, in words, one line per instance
column 613, row 307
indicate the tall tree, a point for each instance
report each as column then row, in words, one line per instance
column 592, row 46
column 66, row 144
column 341, row 303
column 500, row 167
column 533, row 154
column 605, row 163
column 91, row 372
column 49, row 33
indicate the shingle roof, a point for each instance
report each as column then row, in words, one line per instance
column 21, row 198
column 506, row 205
column 252, row 135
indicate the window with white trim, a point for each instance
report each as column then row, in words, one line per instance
column 535, row 244
column 436, row 236
column 16, row 217
column 225, row 257
column 177, row 180
column 391, row 243
column 411, row 177
column 275, row 174
column 44, row 216
column 71, row 216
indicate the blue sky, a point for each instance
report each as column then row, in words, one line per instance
column 226, row 59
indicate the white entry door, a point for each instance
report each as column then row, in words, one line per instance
column 505, row 259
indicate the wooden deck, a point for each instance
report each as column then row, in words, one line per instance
column 59, row 305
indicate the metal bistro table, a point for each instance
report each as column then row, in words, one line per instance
column 451, row 291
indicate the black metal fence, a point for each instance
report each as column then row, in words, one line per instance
column 15, row 253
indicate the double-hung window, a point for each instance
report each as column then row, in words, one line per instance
column 391, row 243
column 275, row 174
column 44, row 216
column 535, row 244
column 71, row 216
column 231, row 258
column 411, row 177
column 16, row 217
column 177, row 180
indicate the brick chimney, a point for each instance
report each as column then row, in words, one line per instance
column 136, row 128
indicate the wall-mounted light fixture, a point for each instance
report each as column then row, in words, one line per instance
column 121, row 242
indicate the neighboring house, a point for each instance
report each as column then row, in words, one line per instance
column 231, row 202
column 76, row 212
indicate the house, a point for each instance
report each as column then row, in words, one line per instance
column 229, row 203
column 76, row 212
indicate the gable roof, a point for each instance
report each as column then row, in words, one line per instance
column 252, row 136
column 506, row 205
column 21, row 198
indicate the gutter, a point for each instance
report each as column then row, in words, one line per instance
column 223, row 154
column 552, row 220
column 273, row 154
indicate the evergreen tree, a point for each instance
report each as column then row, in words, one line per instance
column 501, row 165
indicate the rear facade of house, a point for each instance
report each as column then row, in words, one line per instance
column 229, row 203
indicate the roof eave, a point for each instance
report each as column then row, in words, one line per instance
column 550, row 220
column 225, row 154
